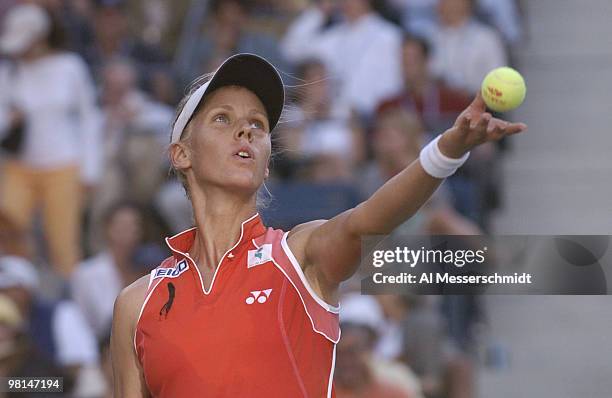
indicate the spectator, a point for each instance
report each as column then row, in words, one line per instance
column 354, row 377
column 98, row 280
column 13, row 241
column 358, row 373
column 57, row 329
column 362, row 53
column 75, row 17
column 505, row 16
column 316, row 136
column 418, row 16
column 18, row 357
column 436, row 104
column 127, row 108
column 162, row 86
column 465, row 50
column 12, row 325
column 146, row 257
column 4, row 7
column 429, row 351
column 113, row 39
column 172, row 204
column 228, row 33
column 390, row 343
column 135, row 129
column 59, row 158
column 106, row 363
column 397, row 141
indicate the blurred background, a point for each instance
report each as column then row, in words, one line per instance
column 88, row 90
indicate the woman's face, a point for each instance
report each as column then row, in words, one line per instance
column 414, row 62
column 125, row 229
column 230, row 141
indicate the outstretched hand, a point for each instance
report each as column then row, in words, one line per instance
column 473, row 127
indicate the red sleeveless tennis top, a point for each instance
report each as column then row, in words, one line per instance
column 260, row 331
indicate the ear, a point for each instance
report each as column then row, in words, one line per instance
column 180, row 156
column 267, row 173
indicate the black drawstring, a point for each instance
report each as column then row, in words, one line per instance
column 166, row 308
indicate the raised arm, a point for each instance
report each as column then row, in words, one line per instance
column 127, row 373
column 329, row 250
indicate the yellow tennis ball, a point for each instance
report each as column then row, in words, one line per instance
column 503, row 89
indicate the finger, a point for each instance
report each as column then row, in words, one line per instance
column 464, row 123
column 514, row 128
column 506, row 123
column 478, row 103
column 497, row 126
column 483, row 122
column 474, row 120
column 495, row 131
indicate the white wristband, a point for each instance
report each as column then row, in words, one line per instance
column 438, row 165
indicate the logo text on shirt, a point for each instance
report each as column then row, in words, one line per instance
column 178, row 269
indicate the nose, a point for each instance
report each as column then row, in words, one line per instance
column 244, row 131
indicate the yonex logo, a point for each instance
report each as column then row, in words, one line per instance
column 261, row 296
column 172, row 272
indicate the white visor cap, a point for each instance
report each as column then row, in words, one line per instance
column 245, row 70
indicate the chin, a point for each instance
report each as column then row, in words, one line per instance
column 246, row 182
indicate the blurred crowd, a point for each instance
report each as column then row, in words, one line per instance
column 87, row 96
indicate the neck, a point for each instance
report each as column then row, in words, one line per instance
column 351, row 19
column 418, row 86
column 218, row 216
column 458, row 23
column 36, row 53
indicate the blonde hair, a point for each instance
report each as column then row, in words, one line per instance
column 186, row 134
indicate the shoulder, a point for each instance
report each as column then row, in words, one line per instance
column 298, row 237
column 132, row 297
column 130, row 301
column 134, row 293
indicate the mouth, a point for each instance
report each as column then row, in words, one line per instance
column 244, row 154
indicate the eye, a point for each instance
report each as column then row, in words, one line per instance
column 258, row 124
column 221, row 118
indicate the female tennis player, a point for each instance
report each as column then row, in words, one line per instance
column 241, row 310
